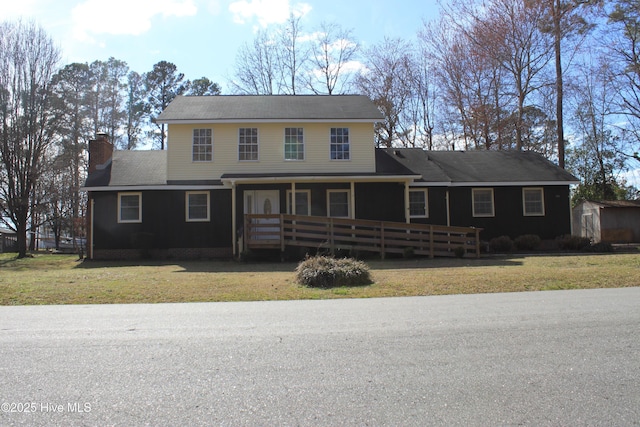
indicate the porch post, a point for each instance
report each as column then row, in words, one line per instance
column 234, row 226
column 353, row 200
column 570, row 213
column 91, row 219
column 448, row 209
column 293, row 198
column 407, row 208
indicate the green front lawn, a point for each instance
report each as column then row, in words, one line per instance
column 62, row 279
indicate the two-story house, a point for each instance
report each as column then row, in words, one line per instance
column 228, row 156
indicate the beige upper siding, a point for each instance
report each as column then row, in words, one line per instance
column 271, row 150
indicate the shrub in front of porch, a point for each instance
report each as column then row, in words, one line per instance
column 328, row 272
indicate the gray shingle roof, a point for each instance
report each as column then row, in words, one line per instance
column 480, row 166
column 270, row 107
column 149, row 168
column 134, row 167
column 498, row 166
column 409, row 161
column 131, row 168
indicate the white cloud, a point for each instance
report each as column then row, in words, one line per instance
column 23, row 9
column 214, row 7
column 122, row 17
column 266, row 12
column 16, row 9
column 354, row 67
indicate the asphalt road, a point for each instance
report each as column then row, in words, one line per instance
column 547, row 358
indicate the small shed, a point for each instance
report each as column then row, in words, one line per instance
column 8, row 240
column 613, row 221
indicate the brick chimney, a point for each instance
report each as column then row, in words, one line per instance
column 100, row 151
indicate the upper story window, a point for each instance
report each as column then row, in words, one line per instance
column 483, row 202
column 248, row 144
column 202, row 145
column 418, row 206
column 129, row 207
column 533, row 201
column 197, row 206
column 340, row 147
column 293, row 144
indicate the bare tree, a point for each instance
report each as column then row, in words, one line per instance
column 471, row 86
column 624, row 51
column 492, row 59
column 255, row 69
column 59, row 196
column 291, row 55
column 28, row 60
column 596, row 159
column 564, row 19
column 510, row 31
column 386, row 81
column 445, row 49
column 332, row 52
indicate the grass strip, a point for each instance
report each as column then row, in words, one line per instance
column 62, row 279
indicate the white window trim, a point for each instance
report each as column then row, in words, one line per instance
column 350, row 147
column 257, row 159
column 284, row 146
column 193, row 146
column 426, row 203
column 290, row 200
column 130, row 221
column 524, row 204
column 473, row 203
column 329, row 192
column 186, row 206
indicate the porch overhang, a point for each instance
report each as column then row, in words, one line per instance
column 154, row 187
column 495, row 184
column 235, row 179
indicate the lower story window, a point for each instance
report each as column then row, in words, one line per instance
column 129, row 207
column 533, row 201
column 197, row 205
column 483, row 202
column 303, row 202
column 418, row 207
column 338, row 203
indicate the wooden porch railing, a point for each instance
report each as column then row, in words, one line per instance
column 280, row 230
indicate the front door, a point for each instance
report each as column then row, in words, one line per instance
column 264, row 202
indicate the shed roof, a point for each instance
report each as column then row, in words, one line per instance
column 270, row 108
column 616, row 203
column 6, row 231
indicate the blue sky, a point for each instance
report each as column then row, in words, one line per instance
column 202, row 36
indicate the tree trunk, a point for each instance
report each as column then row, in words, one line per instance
column 22, row 238
column 557, row 35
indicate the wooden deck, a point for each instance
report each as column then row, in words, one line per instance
column 280, row 231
